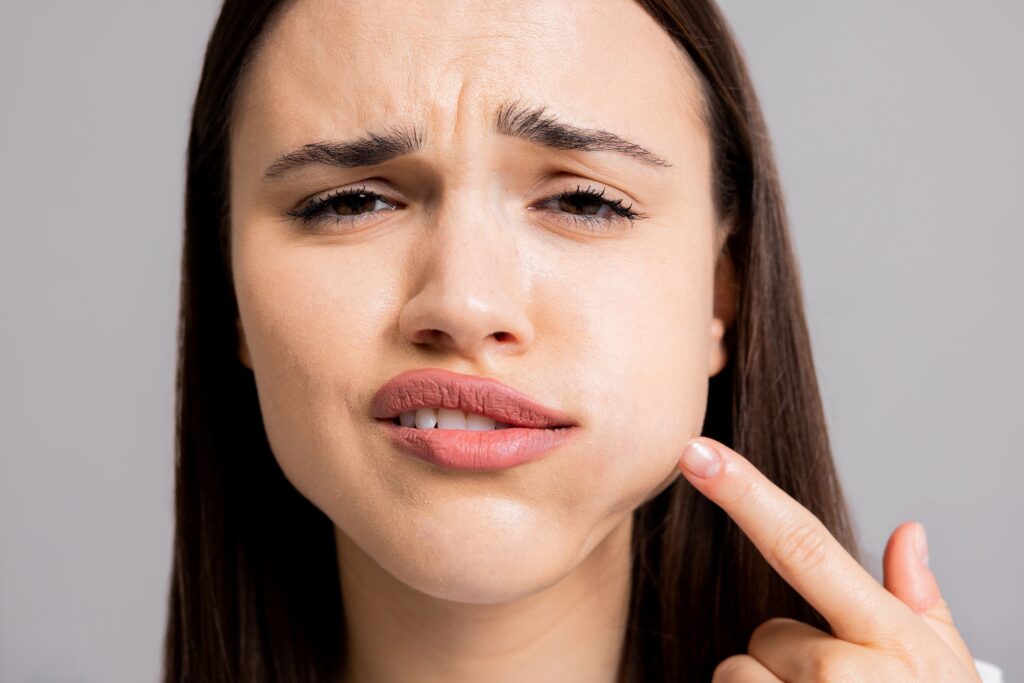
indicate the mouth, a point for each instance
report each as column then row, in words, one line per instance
column 435, row 398
column 469, row 423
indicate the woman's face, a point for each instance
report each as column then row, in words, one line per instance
column 461, row 256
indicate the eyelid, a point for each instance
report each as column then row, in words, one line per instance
column 621, row 207
column 312, row 210
column 372, row 185
column 339, row 191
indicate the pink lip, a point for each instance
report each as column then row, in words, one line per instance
column 534, row 429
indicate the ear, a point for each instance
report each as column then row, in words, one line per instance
column 243, row 347
column 724, row 311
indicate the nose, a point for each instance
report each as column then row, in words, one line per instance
column 471, row 292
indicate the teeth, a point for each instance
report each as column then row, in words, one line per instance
column 479, row 423
column 450, row 419
column 445, row 418
column 426, row 418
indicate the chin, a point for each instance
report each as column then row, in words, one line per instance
column 481, row 554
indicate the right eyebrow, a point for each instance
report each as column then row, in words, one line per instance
column 368, row 150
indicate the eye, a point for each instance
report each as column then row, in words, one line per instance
column 342, row 206
column 589, row 207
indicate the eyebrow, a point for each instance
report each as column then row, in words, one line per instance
column 531, row 123
column 536, row 125
column 369, row 150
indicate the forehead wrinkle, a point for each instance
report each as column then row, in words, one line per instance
column 467, row 52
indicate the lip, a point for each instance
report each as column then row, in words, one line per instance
column 534, row 429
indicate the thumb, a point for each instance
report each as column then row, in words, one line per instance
column 908, row 577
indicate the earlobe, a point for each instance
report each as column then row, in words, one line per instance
column 243, row 347
column 719, row 355
column 724, row 312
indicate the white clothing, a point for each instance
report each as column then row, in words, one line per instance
column 990, row 673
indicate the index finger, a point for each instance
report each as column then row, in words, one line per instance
column 798, row 546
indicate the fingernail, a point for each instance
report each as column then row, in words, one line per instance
column 921, row 544
column 700, row 460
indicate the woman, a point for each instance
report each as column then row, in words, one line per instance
column 559, row 224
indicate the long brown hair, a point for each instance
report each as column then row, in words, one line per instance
column 254, row 592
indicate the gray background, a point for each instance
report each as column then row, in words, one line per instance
column 896, row 126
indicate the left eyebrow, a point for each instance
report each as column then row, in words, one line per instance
column 536, row 125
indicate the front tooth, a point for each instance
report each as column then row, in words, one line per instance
column 451, row 419
column 479, row 423
column 426, row 418
column 445, row 418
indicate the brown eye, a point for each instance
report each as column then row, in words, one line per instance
column 581, row 204
column 355, row 204
column 345, row 206
column 589, row 206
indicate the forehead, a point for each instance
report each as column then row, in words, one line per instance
column 326, row 68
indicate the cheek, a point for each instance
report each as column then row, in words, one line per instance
column 621, row 342
column 622, row 335
column 313, row 320
column 643, row 370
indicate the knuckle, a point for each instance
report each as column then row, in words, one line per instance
column 893, row 643
column 915, row 667
column 827, row 665
column 735, row 668
column 766, row 630
column 941, row 612
column 908, row 665
column 907, row 658
column 746, row 494
column 801, row 547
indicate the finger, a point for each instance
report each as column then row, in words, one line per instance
column 798, row 546
column 907, row 576
column 795, row 651
column 742, row 669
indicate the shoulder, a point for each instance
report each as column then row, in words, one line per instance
column 990, row 673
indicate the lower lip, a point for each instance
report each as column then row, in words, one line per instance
column 460, row 449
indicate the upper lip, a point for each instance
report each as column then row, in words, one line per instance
column 437, row 388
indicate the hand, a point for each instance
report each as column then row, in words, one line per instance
column 902, row 631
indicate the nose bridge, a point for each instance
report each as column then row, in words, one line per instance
column 471, row 291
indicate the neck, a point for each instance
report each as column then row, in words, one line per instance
column 570, row 632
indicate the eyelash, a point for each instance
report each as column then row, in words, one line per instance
column 314, row 212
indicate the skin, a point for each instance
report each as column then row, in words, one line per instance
column 899, row 630
column 468, row 264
